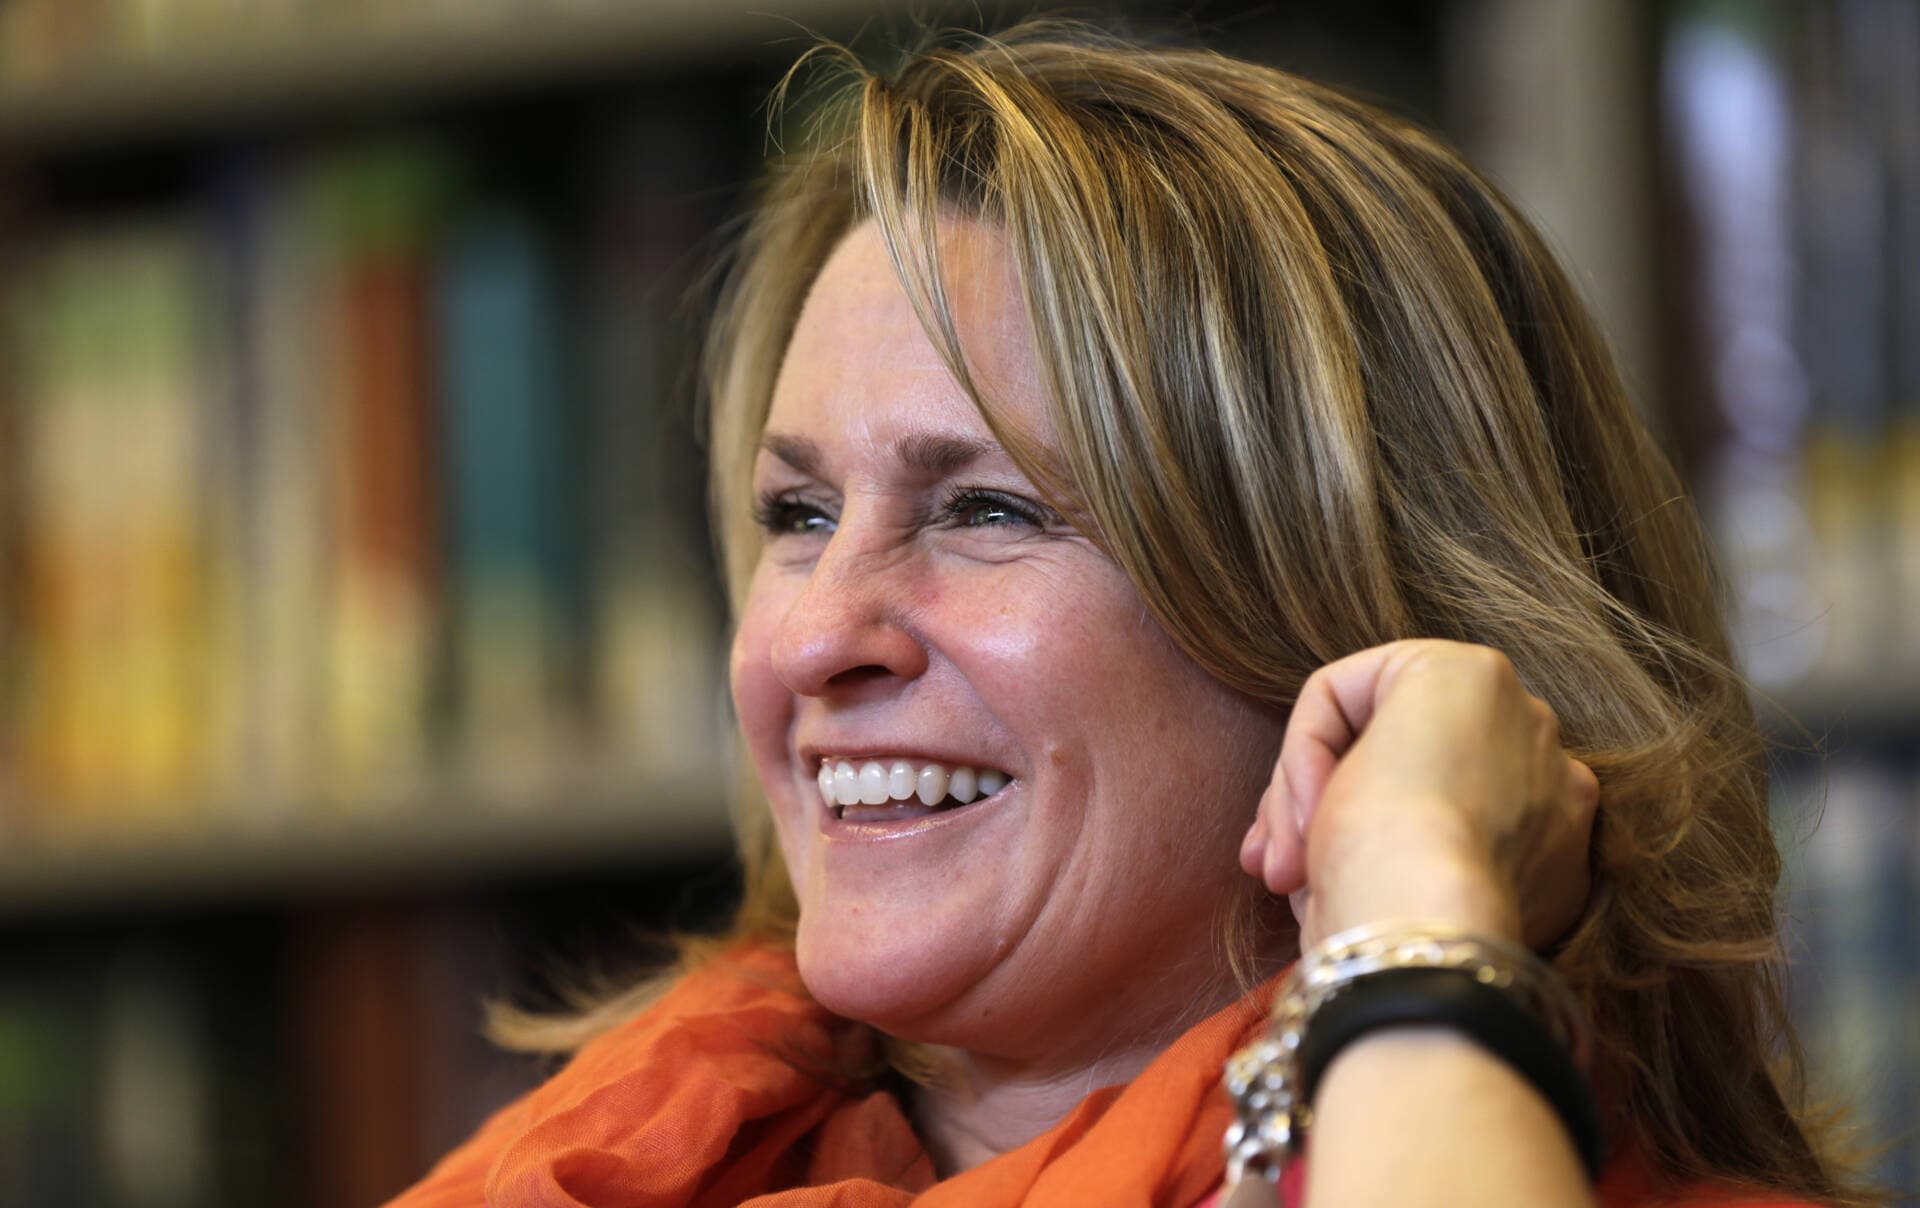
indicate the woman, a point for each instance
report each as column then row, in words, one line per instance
column 1177, row 515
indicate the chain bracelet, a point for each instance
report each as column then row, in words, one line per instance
column 1263, row 1078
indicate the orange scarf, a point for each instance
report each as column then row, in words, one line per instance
column 705, row 1101
column 719, row 1096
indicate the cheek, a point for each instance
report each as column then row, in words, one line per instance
column 762, row 703
column 1043, row 630
column 1158, row 730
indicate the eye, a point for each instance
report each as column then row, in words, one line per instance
column 972, row 507
column 785, row 514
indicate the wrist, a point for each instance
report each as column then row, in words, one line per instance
column 1402, row 1109
column 1410, row 974
column 1403, row 883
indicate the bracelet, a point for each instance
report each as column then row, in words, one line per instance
column 1265, row 1079
column 1456, row 999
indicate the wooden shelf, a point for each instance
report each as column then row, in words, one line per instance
column 438, row 839
column 437, row 51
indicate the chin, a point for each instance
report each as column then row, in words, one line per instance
column 914, row 986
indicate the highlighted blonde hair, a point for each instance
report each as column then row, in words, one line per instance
column 1317, row 386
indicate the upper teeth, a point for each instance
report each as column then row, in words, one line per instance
column 877, row 781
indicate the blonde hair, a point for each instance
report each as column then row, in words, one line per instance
column 1318, row 386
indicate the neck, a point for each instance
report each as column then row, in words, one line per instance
column 983, row 1106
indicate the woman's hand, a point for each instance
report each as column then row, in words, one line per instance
column 1420, row 780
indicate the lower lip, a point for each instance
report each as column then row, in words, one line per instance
column 838, row 828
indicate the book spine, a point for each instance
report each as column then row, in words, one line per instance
column 293, row 318
column 1860, row 951
column 506, row 408
column 229, row 487
column 386, row 572
column 156, row 1095
column 57, row 769
column 653, row 609
column 1900, row 131
column 1843, row 311
column 12, row 520
column 154, row 302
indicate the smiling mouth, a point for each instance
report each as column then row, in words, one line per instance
column 890, row 790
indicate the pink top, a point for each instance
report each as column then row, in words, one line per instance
column 1627, row 1184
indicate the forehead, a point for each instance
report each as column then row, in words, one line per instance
column 861, row 363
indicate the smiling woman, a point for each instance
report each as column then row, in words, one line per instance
column 1183, row 528
column 931, row 611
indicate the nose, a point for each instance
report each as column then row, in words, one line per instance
column 846, row 629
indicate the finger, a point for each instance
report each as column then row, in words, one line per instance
column 1282, row 864
column 1562, row 900
column 1564, row 886
column 1253, row 848
column 1546, row 721
column 1334, row 707
column 1565, row 882
column 1584, row 787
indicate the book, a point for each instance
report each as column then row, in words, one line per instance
column 655, row 611
column 114, row 729
column 12, row 520
column 507, row 408
column 278, row 321
column 383, row 207
column 1840, row 257
column 1857, row 962
column 1899, row 126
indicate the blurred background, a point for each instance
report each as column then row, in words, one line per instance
column 359, row 641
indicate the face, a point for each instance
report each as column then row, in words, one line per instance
column 916, row 610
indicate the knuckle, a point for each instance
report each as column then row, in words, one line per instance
column 1314, row 684
column 1494, row 663
column 1586, row 786
column 1437, row 653
column 1483, row 666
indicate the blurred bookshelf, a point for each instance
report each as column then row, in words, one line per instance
column 182, row 70
column 316, row 505
column 76, row 70
column 360, row 644
column 449, row 842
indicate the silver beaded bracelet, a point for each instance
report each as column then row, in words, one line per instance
column 1264, row 1078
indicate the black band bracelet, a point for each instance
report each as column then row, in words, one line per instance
column 1454, row 998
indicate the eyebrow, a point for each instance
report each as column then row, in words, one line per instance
column 930, row 454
